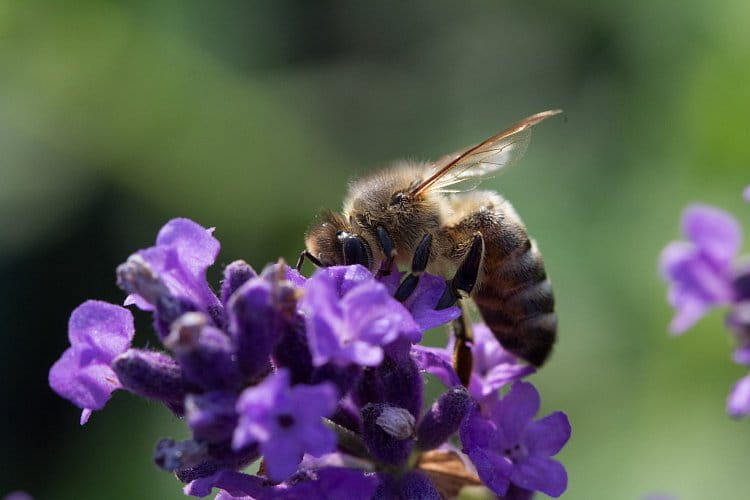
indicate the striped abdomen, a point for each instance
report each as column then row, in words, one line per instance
column 513, row 293
column 516, row 301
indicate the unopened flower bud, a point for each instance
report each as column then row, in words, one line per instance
column 171, row 455
column 397, row 422
column 204, row 352
column 236, row 274
column 152, row 375
column 136, row 276
column 381, row 443
column 444, row 418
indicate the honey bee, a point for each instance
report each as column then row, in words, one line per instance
column 417, row 215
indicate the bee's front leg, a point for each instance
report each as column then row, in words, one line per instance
column 418, row 265
column 307, row 255
column 389, row 250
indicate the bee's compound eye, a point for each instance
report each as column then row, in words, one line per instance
column 397, row 199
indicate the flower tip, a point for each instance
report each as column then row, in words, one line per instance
column 85, row 415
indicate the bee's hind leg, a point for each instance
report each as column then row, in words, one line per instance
column 418, row 265
column 466, row 275
column 463, row 282
column 463, row 332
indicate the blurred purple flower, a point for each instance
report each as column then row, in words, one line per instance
column 508, row 447
column 183, row 252
column 286, row 421
column 738, row 402
column 746, row 194
column 699, row 270
column 350, row 319
column 18, row 495
column 98, row 333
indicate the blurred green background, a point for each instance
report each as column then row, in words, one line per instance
column 251, row 116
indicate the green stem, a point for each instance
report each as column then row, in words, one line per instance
column 348, row 441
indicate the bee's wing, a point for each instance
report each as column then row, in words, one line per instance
column 475, row 163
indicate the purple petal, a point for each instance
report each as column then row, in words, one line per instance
column 88, row 386
column 476, row 431
column 234, row 483
column 376, row 317
column 98, row 332
column 282, row 457
column 541, row 474
column 742, row 355
column 362, row 353
column 104, row 330
column 696, row 283
column 436, row 362
column 514, row 412
column 184, row 250
column 197, row 247
column 314, row 401
column 548, row 435
column 738, row 402
column 503, row 374
column 486, row 350
column 347, row 277
column 323, row 316
column 493, row 469
column 746, row 194
column 715, row 232
column 421, row 303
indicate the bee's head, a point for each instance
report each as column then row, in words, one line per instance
column 332, row 241
column 386, row 199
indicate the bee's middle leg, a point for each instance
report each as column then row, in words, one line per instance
column 418, row 265
column 467, row 274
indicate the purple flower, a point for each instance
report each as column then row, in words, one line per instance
column 421, row 303
column 98, row 332
column 331, row 483
column 18, row 495
column 699, row 271
column 184, row 250
column 493, row 366
column 738, row 402
column 350, row 316
column 509, row 448
column 746, row 194
column 286, row 421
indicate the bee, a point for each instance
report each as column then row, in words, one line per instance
column 427, row 216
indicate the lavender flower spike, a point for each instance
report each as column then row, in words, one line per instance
column 352, row 327
column 509, row 448
column 98, row 332
column 286, row 421
column 699, row 271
